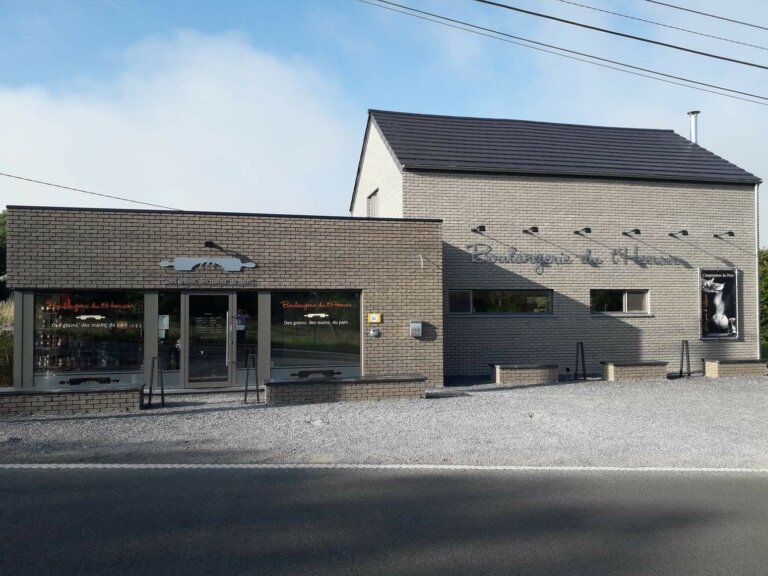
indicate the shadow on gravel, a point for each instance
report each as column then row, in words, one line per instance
column 365, row 522
column 145, row 413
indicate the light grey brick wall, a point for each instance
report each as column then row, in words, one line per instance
column 395, row 263
column 318, row 392
column 379, row 171
column 508, row 204
column 25, row 402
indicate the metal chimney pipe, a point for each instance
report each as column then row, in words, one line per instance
column 693, row 115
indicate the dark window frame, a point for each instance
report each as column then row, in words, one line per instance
column 550, row 294
column 624, row 299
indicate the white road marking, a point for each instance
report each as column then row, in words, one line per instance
column 438, row 467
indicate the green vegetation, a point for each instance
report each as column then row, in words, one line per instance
column 6, row 342
column 763, row 284
column 4, row 292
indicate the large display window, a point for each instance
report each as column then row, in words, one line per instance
column 88, row 333
column 315, row 334
column 247, row 328
column 169, row 336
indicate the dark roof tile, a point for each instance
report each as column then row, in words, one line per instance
column 428, row 142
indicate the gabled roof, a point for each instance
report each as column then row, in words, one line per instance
column 462, row 144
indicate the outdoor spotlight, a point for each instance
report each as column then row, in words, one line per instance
column 728, row 233
column 209, row 244
column 679, row 233
column 478, row 229
column 532, row 230
column 634, row 231
column 583, row 231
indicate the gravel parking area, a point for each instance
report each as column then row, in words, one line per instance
column 694, row 422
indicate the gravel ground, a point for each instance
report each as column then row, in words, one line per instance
column 694, row 422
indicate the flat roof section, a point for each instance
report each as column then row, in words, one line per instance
column 212, row 213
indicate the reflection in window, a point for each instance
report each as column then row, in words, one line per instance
column 315, row 333
column 88, row 332
column 247, row 327
column 169, row 330
column 619, row 301
column 499, row 301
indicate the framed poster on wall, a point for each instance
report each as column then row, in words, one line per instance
column 719, row 303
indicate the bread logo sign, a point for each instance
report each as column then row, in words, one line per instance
column 190, row 263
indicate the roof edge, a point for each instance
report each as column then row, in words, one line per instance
column 213, row 213
column 579, row 174
column 373, row 111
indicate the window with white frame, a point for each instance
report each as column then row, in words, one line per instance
column 619, row 301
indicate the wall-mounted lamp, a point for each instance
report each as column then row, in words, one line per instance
column 210, row 244
column 679, row 233
column 478, row 229
column 633, row 232
column 532, row 230
column 728, row 233
column 583, row 231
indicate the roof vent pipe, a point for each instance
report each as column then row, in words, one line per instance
column 693, row 115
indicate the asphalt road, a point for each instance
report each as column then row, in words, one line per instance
column 276, row 522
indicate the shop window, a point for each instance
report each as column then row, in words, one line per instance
column 88, row 332
column 315, row 333
column 372, row 204
column 247, row 327
column 169, row 330
column 500, row 302
column 619, row 301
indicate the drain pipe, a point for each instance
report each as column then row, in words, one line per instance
column 693, row 115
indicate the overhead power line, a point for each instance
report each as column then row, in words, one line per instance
column 551, row 49
column 88, row 192
column 622, row 34
column 686, row 30
column 708, row 15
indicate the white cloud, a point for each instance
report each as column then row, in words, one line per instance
column 192, row 121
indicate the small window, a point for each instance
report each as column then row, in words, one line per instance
column 373, row 204
column 499, row 301
column 460, row 301
column 618, row 301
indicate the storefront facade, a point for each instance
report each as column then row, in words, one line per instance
column 105, row 297
column 628, row 241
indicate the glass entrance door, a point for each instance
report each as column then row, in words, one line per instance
column 209, row 340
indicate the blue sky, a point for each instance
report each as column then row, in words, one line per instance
column 261, row 106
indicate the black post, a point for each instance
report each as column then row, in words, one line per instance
column 685, row 352
column 161, row 381
column 580, row 353
column 250, row 362
column 155, row 361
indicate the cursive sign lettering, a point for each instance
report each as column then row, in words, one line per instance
column 484, row 253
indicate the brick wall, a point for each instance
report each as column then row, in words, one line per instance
column 508, row 204
column 379, row 171
column 395, row 263
column 319, row 391
column 528, row 375
column 653, row 371
column 53, row 402
column 715, row 369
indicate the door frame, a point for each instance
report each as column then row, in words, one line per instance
column 231, row 343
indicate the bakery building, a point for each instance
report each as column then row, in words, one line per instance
column 213, row 299
column 627, row 240
column 470, row 242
